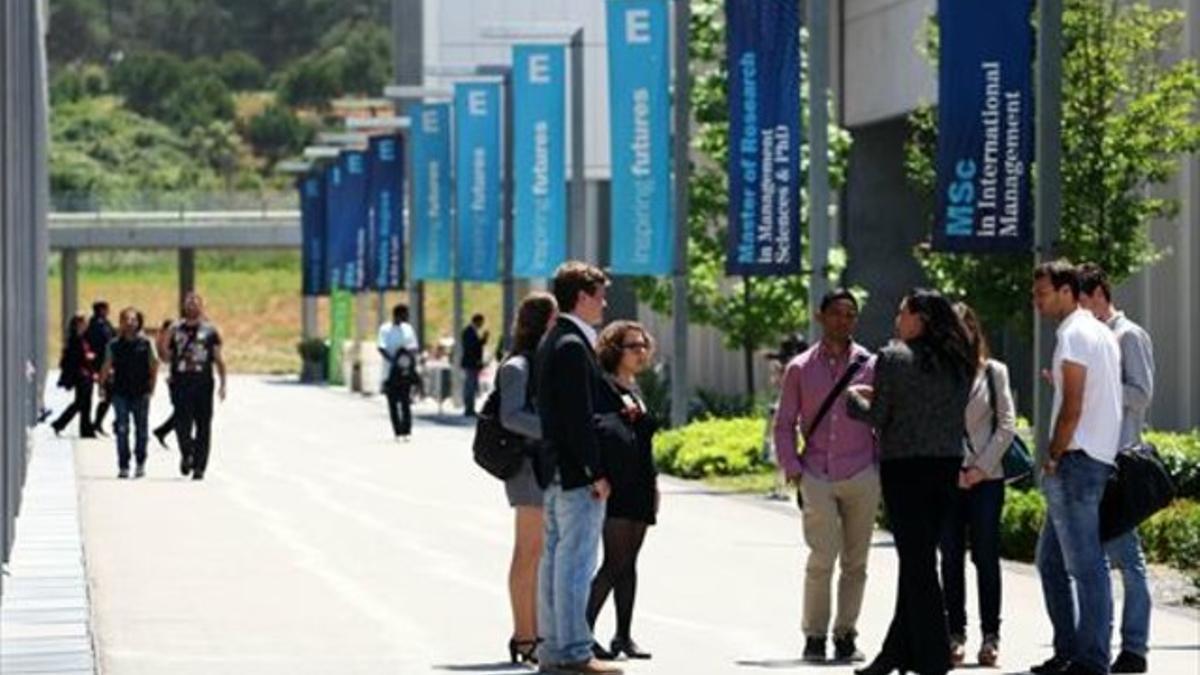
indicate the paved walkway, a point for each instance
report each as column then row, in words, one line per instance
column 319, row 545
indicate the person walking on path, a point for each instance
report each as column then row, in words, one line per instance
column 474, row 339
column 1137, row 391
column 974, row 515
column 100, row 332
column 837, row 475
column 518, row 414
column 398, row 346
column 569, row 468
column 1084, row 434
column 77, row 373
column 131, row 369
column 162, row 343
column 195, row 351
column 918, row 402
column 626, row 431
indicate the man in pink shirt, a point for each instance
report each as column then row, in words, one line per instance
column 836, row 472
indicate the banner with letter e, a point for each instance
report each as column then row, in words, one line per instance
column 385, row 189
column 430, row 134
column 539, row 160
column 315, row 279
column 477, row 145
column 642, row 230
column 763, row 57
column 985, row 127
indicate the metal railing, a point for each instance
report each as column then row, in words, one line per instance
column 180, row 202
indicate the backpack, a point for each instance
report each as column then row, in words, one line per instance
column 496, row 449
column 404, row 370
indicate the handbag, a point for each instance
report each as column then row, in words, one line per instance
column 1139, row 488
column 496, row 449
column 1017, row 462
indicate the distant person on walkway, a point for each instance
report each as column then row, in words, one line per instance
column 974, row 515
column 1084, row 434
column 918, row 403
column 77, row 373
column 131, row 369
column 627, row 431
column 568, row 381
column 195, row 350
column 162, row 343
column 398, row 346
column 1137, row 391
column 474, row 338
column 518, row 414
column 100, row 332
column 837, row 475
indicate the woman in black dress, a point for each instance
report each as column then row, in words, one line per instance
column 626, row 429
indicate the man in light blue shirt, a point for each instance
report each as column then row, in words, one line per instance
column 398, row 346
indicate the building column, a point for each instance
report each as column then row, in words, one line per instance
column 187, row 274
column 70, row 286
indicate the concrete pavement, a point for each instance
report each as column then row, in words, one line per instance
column 317, row 544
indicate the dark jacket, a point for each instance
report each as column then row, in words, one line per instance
column 472, row 348
column 76, row 364
column 919, row 405
column 99, row 333
column 626, row 430
column 132, row 362
column 568, row 382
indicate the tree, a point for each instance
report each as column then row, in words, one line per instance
column 240, row 71
column 146, row 79
column 277, row 132
column 749, row 313
column 197, row 102
column 1129, row 113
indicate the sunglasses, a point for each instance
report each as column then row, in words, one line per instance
column 635, row 346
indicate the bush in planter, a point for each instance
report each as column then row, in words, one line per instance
column 1181, row 455
column 313, row 352
column 1172, row 535
column 1021, row 524
column 718, row 447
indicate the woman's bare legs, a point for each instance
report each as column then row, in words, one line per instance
column 522, row 573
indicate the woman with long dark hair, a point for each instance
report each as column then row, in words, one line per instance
column 537, row 312
column 77, row 372
column 917, row 403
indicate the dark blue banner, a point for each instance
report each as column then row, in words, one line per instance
column 430, row 134
column 639, row 103
column 333, row 224
column 385, row 243
column 477, row 144
column 539, row 160
column 985, row 127
column 315, row 279
column 763, row 52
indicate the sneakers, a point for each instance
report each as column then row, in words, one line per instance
column 1052, row 666
column 845, row 651
column 123, row 474
column 140, row 471
column 1128, row 662
column 814, row 650
column 989, row 651
column 958, row 650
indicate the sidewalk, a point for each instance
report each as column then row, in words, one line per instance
column 317, row 544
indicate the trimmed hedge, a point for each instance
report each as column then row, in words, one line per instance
column 717, row 447
column 1181, row 455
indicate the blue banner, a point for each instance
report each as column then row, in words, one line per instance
column 334, row 266
column 352, row 215
column 430, row 133
column 539, row 160
column 477, row 185
column 763, row 52
column 315, row 278
column 639, row 104
column 385, row 243
column 985, row 127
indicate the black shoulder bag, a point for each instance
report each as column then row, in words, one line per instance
column 496, row 449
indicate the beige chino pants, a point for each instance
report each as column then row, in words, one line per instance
column 839, row 519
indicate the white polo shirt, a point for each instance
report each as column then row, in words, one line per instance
column 1084, row 340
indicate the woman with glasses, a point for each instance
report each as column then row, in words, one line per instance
column 626, row 429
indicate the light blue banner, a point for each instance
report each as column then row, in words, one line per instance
column 431, row 191
column 477, row 186
column 539, row 160
column 642, row 230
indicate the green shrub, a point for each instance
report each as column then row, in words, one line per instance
column 1172, row 536
column 1181, row 455
column 719, row 447
column 1021, row 523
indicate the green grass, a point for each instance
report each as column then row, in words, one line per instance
column 751, row 483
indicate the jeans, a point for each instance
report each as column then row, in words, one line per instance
column 139, row 408
column 1125, row 555
column 1069, row 550
column 193, row 419
column 573, row 522
column 975, row 518
column 470, row 389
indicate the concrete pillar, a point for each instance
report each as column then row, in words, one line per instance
column 70, row 285
column 187, row 273
column 308, row 316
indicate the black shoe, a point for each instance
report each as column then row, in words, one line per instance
column 601, row 653
column 1128, row 662
column 1053, row 666
column 199, row 475
column 57, row 431
column 1080, row 669
column 162, row 438
column 185, row 464
column 140, row 471
column 99, row 431
column 877, row 667
column 814, row 650
column 845, row 651
column 123, row 473
column 523, row 651
column 626, row 646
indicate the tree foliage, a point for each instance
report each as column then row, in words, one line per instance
column 277, row 132
column 354, row 57
column 1129, row 113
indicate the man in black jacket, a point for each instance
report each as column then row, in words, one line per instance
column 100, row 332
column 474, row 337
column 569, row 468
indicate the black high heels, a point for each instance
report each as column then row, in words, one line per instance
column 627, row 647
column 523, row 651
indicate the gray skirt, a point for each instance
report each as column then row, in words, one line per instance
column 522, row 489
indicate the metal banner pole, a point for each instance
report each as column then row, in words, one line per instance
column 680, row 392
column 818, row 156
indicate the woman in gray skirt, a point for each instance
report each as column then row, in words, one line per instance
column 537, row 313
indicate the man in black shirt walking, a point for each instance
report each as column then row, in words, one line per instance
column 474, row 337
column 130, row 370
column 195, row 349
column 99, row 333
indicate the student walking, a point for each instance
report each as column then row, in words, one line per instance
column 474, row 339
column 1137, row 391
column 918, row 402
column 77, row 373
column 837, row 476
column 1085, row 433
column 195, row 351
column 131, row 369
column 626, row 428
column 568, row 381
column 518, row 414
column 974, row 515
column 398, row 346
column 99, row 333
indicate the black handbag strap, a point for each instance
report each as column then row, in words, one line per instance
column 991, row 385
column 837, row 390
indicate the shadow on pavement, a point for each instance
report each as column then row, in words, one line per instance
column 496, row 667
column 446, row 420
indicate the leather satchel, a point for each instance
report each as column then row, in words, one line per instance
column 1139, row 488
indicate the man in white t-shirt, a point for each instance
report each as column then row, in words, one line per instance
column 1084, row 439
column 398, row 346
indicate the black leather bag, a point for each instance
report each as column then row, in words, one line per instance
column 497, row 450
column 1138, row 489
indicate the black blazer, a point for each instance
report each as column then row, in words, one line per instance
column 568, row 382
column 472, row 349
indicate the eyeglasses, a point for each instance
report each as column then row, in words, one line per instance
column 635, row 346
